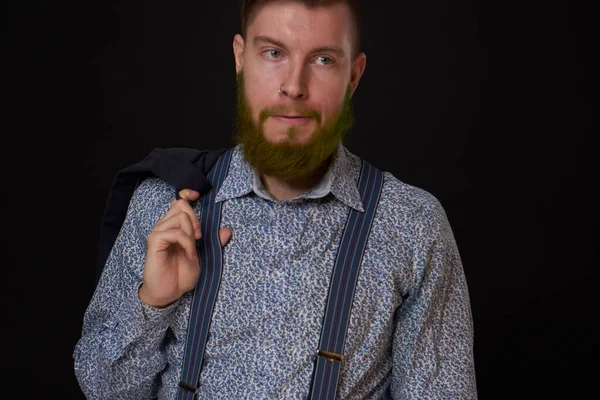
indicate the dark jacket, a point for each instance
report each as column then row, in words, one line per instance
column 184, row 168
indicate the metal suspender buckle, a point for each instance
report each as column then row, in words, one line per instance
column 330, row 356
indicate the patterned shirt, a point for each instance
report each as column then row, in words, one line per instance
column 410, row 334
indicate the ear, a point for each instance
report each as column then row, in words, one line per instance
column 238, row 52
column 358, row 67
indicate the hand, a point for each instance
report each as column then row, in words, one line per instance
column 191, row 195
column 172, row 267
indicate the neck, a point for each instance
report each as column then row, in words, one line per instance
column 287, row 189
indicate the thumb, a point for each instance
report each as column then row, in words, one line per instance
column 188, row 194
column 224, row 236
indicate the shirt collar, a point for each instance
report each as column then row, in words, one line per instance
column 340, row 180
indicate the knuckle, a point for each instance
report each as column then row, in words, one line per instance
column 183, row 204
column 183, row 218
column 152, row 237
column 177, row 203
column 182, row 233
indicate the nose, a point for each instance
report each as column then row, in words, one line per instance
column 294, row 85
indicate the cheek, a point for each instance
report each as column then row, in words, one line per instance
column 257, row 95
column 260, row 79
column 330, row 104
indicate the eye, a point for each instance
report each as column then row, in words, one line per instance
column 273, row 53
column 324, row 60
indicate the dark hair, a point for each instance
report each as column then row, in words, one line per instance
column 248, row 5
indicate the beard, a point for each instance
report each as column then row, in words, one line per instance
column 288, row 159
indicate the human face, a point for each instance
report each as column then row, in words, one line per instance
column 288, row 160
column 307, row 52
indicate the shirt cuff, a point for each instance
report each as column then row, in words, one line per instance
column 140, row 323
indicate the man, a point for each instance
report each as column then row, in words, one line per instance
column 285, row 200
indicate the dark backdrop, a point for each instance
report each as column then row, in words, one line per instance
column 487, row 105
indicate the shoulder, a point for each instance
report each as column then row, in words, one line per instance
column 414, row 214
column 149, row 202
column 152, row 187
column 406, row 201
column 401, row 197
column 406, row 208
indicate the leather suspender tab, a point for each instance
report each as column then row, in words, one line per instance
column 330, row 356
column 187, row 387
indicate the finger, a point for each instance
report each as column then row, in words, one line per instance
column 224, row 236
column 189, row 194
column 162, row 240
column 172, row 209
column 183, row 206
column 180, row 220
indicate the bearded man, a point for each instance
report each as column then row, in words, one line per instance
column 334, row 279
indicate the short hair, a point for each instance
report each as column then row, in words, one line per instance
column 248, row 5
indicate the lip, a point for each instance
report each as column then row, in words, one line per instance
column 292, row 119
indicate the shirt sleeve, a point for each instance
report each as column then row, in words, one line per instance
column 433, row 337
column 120, row 353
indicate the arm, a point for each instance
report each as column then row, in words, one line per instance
column 119, row 354
column 433, row 337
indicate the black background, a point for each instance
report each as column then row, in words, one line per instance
column 487, row 105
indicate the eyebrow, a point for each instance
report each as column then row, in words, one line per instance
column 321, row 49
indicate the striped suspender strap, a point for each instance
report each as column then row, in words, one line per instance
column 205, row 293
column 341, row 287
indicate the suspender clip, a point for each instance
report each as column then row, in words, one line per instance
column 330, row 356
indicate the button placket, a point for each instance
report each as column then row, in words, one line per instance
column 272, row 293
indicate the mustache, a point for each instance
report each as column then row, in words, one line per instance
column 300, row 111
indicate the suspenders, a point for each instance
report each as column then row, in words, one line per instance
column 342, row 284
column 339, row 301
column 205, row 293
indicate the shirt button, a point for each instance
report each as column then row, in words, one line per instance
column 276, row 275
column 267, row 344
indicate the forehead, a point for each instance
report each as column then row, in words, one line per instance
column 297, row 25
